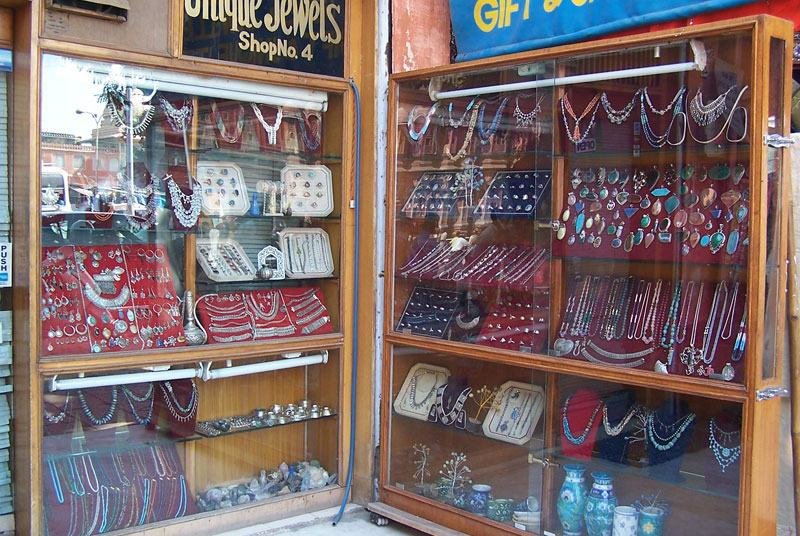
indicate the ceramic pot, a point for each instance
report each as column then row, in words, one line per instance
column 572, row 500
column 500, row 509
column 599, row 511
column 461, row 498
column 478, row 499
column 651, row 521
column 625, row 521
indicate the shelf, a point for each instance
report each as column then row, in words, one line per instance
column 249, row 217
column 257, row 284
column 472, row 284
column 261, row 156
column 676, row 262
column 692, row 481
column 535, row 445
column 691, row 151
column 138, row 437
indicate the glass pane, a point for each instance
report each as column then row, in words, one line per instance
column 152, row 180
column 132, row 454
column 635, row 457
column 468, row 434
column 774, row 268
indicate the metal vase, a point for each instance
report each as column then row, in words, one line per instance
column 194, row 334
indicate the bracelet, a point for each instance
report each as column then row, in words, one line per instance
column 67, row 333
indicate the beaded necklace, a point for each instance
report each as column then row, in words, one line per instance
column 467, row 137
column 271, row 130
column 185, row 207
column 618, row 116
column 460, row 121
column 622, row 314
column 725, row 455
column 575, row 135
column 223, row 131
column 565, row 423
column 526, row 119
column 668, row 332
column 666, row 443
column 179, row 412
column 659, row 140
column 649, row 328
column 55, row 419
column 130, row 396
column 486, row 134
column 105, row 419
column 615, row 430
column 412, row 398
column 741, row 338
column 311, row 144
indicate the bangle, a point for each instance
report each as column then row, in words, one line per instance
column 67, row 333
column 79, row 327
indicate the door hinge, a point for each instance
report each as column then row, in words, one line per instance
column 770, row 393
column 777, row 141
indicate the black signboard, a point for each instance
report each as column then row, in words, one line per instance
column 299, row 35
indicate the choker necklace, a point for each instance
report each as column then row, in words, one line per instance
column 105, row 419
column 705, row 114
column 271, row 130
column 451, row 416
column 107, row 303
column 412, row 391
column 414, row 115
column 311, row 144
column 575, row 135
column 568, row 433
column 178, row 119
column 726, row 125
column 615, row 430
column 526, row 119
column 185, row 207
column 666, row 443
column 223, row 131
column 726, row 456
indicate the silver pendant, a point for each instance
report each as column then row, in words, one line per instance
column 728, row 372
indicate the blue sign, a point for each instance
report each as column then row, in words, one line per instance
column 486, row 28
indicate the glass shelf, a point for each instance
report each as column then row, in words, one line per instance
column 262, row 156
column 611, row 260
column 502, row 155
column 258, row 284
column 265, row 427
column 720, row 150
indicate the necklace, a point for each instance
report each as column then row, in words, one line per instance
column 467, row 137
column 705, row 114
column 55, row 419
column 311, row 144
column 726, row 125
column 741, row 338
column 105, row 419
column 271, row 130
column 691, row 355
column 683, row 320
column 727, row 326
column 632, row 364
column 722, row 289
column 574, row 134
column 650, row 318
column 223, row 131
column 185, row 207
column 659, row 140
column 178, row 119
column 460, row 121
column 414, row 115
column 132, row 397
column 619, row 116
column 668, row 331
column 668, row 107
column 526, row 119
column 140, row 115
column 725, row 456
column 615, row 430
column 412, row 398
column 666, row 443
column 637, row 306
column 179, row 412
column 486, row 134
column 565, row 422
column 107, row 303
column 451, row 416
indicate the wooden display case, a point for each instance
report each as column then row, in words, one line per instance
column 614, row 237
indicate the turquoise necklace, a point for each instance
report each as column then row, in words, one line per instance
column 672, row 320
column 666, row 443
column 486, row 134
column 565, row 422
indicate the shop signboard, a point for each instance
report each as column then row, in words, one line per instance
column 485, row 28
column 299, row 35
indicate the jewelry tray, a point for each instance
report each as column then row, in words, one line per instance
column 514, row 193
column 403, row 403
column 307, row 252
column 420, row 315
column 517, row 398
column 224, row 189
column 432, row 188
column 212, row 251
column 307, row 190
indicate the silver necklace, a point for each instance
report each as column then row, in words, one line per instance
column 107, row 303
column 271, row 130
column 412, row 392
column 618, row 116
column 705, row 114
column 691, row 355
column 186, row 216
column 178, row 119
column 725, row 456
column 526, row 119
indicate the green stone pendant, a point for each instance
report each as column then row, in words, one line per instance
column 672, row 204
column 611, row 229
column 638, row 237
column 645, row 221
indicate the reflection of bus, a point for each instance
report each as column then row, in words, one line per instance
column 55, row 181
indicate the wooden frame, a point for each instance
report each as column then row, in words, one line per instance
column 29, row 369
column 757, row 498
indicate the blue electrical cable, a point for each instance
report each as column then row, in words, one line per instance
column 355, row 311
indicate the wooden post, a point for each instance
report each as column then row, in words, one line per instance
column 794, row 361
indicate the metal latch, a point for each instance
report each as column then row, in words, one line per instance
column 777, row 141
column 544, row 461
column 770, row 393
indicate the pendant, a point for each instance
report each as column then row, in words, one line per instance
column 680, row 219
column 562, row 232
column 738, row 173
column 685, row 249
column 728, row 372
column 613, row 177
column 616, row 243
column 630, row 211
column 610, row 205
column 628, row 243
column 638, row 237
column 703, row 174
column 715, row 213
column 707, row 197
column 571, row 240
column 672, row 204
column 634, row 199
column 575, row 181
column 603, row 193
column 611, row 229
column 741, row 213
column 589, row 176
column 571, row 199
column 683, row 189
column 661, row 192
column 690, row 200
column 656, row 210
column 591, row 196
column 652, row 178
column 645, row 222
column 705, row 241
column 645, row 204
column 717, row 240
column 622, row 197
column 694, row 239
column 583, row 192
column 730, row 198
column 720, row 172
column 579, row 206
column 733, row 242
column 596, row 206
column 565, row 215
column 589, row 222
column 660, row 367
column 649, row 238
column 697, row 218
column 665, row 238
column 579, row 222
column 562, row 347
column 687, row 172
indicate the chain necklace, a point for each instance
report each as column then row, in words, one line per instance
column 132, row 397
column 623, row 313
column 460, row 121
column 467, row 137
column 683, row 320
column 638, row 305
column 659, row 140
column 451, row 416
column 105, row 419
column 615, row 430
column 223, row 131
column 619, row 116
column 526, row 119
column 178, row 119
column 726, row 456
column 705, row 114
column 186, row 216
column 650, row 317
column 311, row 144
column 691, row 355
column 179, row 412
column 412, row 398
column 669, row 106
column 55, row 419
column 271, row 130
column 574, row 134
column 727, row 326
column 722, row 288
column 666, row 443
column 565, row 423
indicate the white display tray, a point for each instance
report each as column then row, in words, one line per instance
column 428, row 379
column 514, row 413
column 211, row 253
column 227, row 199
column 306, row 252
column 307, row 190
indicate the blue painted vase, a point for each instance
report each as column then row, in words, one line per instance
column 572, row 500
column 599, row 511
column 651, row 521
column 478, row 499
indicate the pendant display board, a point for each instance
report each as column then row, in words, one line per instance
column 515, row 412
